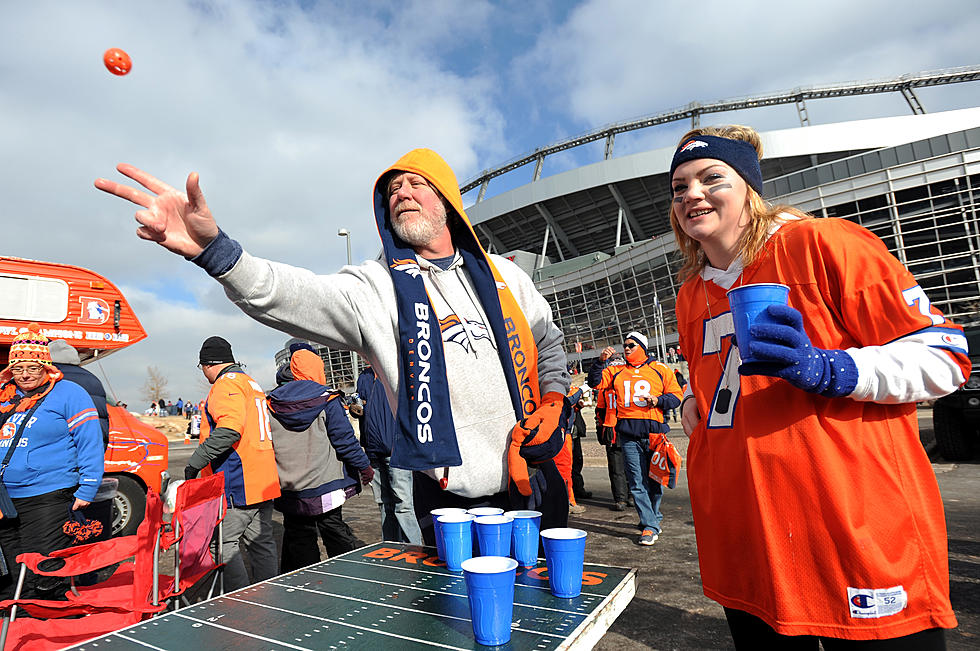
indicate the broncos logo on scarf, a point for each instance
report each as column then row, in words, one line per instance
column 454, row 330
column 411, row 267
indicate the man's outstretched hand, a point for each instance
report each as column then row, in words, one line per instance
column 176, row 221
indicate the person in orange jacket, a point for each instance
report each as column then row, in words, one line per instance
column 236, row 439
column 636, row 395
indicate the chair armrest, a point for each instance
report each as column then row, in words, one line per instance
column 81, row 559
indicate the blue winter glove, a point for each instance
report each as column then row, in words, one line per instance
column 782, row 349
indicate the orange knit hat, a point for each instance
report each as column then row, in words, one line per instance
column 30, row 346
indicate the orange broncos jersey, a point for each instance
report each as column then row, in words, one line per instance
column 819, row 515
column 637, row 389
column 237, row 402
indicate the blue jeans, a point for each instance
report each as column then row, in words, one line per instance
column 647, row 493
column 392, row 488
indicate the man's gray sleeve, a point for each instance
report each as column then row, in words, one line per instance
column 219, row 441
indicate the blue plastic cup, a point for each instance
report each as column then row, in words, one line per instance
column 748, row 304
column 564, row 551
column 493, row 534
column 457, row 539
column 479, row 512
column 490, row 588
column 525, row 536
column 437, row 528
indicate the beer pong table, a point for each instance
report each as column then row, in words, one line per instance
column 386, row 595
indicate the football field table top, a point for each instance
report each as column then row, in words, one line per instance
column 386, row 595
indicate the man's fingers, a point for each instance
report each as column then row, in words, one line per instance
column 148, row 181
column 138, row 197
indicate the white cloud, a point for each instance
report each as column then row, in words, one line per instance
column 617, row 59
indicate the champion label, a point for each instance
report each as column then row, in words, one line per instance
column 871, row 603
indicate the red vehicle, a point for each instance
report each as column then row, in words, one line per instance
column 91, row 314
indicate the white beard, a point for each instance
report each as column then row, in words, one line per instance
column 422, row 229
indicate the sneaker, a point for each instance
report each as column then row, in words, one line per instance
column 648, row 537
column 618, row 506
column 576, row 508
column 630, row 501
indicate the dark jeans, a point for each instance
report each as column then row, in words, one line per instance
column 578, row 482
column 37, row 528
column 616, row 465
column 750, row 632
column 299, row 538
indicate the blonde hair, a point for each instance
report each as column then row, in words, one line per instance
column 761, row 214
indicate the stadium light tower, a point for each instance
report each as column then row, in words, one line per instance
column 344, row 233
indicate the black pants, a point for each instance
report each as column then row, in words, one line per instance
column 37, row 528
column 578, row 482
column 299, row 538
column 750, row 632
column 617, row 473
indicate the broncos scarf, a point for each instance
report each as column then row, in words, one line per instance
column 428, row 436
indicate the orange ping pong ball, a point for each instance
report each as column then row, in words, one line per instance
column 117, row 61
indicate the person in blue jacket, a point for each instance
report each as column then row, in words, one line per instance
column 56, row 466
column 319, row 462
column 392, row 487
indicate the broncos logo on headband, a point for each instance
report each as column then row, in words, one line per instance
column 411, row 267
column 454, row 330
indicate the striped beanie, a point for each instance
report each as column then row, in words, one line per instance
column 30, row 346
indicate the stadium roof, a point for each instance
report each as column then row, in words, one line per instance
column 579, row 210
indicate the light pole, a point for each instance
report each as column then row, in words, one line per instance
column 344, row 233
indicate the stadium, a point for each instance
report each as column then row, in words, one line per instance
column 598, row 244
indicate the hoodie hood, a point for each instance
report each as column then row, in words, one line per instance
column 437, row 172
column 307, row 365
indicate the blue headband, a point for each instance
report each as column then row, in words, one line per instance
column 739, row 154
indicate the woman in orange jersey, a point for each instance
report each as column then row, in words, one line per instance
column 817, row 513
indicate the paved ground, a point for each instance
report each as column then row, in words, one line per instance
column 669, row 610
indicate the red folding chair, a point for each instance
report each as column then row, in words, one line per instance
column 199, row 510
column 131, row 594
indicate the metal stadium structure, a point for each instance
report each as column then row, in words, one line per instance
column 597, row 241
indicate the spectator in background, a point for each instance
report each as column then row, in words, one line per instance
column 578, row 433
column 642, row 389
column 162, row 407
column 235, row 440
column 319, row 463
column 392, row 487
column 56, row 461
column 615, row 465
column 65, row 357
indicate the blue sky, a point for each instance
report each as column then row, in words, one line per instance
column 289, row 110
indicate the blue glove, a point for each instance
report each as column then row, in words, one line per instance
column 782, row 349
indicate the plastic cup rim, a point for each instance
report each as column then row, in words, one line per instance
column 494, row 519
column 523, row 514
column 753, row 285
column 563, row 533
column 446, row 511
column 489, row 565
column 485, row 510
column 456, row 517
